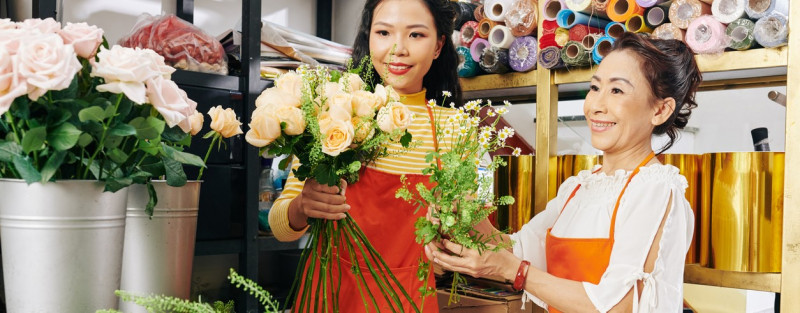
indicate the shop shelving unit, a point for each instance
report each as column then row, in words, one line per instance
column 764, row 67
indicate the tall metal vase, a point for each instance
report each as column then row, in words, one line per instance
column 62, row 245
column 159, row 251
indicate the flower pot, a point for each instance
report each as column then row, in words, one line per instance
column 62, row 245
column 159, row 251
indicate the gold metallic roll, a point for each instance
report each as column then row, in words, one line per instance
column 689, row 165
column 515, row 179
column 743, row 191
column 570, row 165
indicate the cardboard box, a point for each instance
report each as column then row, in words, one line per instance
column 474, row 304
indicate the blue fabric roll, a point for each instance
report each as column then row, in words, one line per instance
column 596, row 57
column 467, row 67
column 569, row 18
column 609, row 25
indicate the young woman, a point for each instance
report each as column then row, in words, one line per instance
column 411, row 50
column 615, row 238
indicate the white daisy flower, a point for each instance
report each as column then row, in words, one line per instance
column 463, row 131
column 506, row 103
column 431, row 103
column 448, row 131
column 517, row 152
column 491, row 113
column 447, row 93
column 502, row 111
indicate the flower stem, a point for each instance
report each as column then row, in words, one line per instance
column 102, row 139
column 10, row 119
column 210, row 146
column 385, row 288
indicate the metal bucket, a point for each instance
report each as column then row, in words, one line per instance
column 62, row 245
column 515, row 179
column 159, row 252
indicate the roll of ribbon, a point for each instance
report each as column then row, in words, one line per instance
column 589, row 41
column 577, row 32
column 622, row 10
column 615, row 30
column 465, row 12
column 761, row 8
column 655, row 16
column 549, row 27
column 602, row 47
column 467, row 67
column 600, row 7
column 479, row 13
column 586, row 7
column 484, row 27
column 562, row 36
column 501, row 37
column 574, row 54
column 727, row 11
column 706, row 35
column 551, row 9
column 682, row 12
column 772, row 30
column 550, row 58
column 569, row 18
column 636, row 24
column 740, row 32
column 477, row 48
column 469, row 32
column 496, row 10
column 456, row 38
column 669, row 31
column 522, row 54
column 650, row 3
column 495, row 60
column 522, row 18
column 548, row 40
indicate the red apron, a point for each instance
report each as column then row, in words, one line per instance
column 583, row 259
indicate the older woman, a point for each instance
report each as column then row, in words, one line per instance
column 615, row 238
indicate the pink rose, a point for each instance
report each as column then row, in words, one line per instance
column 125, row 70
column 11, row 84
column 6, row 24
column 157, row 62
column 11, row 39
column 46, row 63
column 83, row 37
column 171, row 101
column 45, row 26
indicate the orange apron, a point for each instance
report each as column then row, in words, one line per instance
column 583, row 259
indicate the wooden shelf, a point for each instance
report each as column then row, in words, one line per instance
column 499, row 81
column 696, row 274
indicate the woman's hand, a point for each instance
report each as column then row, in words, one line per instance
column 318, row 201
column 500, row 266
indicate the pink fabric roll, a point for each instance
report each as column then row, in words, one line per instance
column 706, row 35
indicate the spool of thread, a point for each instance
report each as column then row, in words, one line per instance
column 602, row 47
column 772, row 30
column 579, row 31
column 551, row 9
column 484, row 27
column 562, row 36
column 522, row 18
column 600, row 7
column 650, row 3
column 478, row 13
column 589, row 41
column 706, row 35
column 469, row 32
column 655, row 16
column 549, row 27
column 495, row 60
column 761, row 8
column 669, row 31
column 548, row 40
column 569, row 18
column 622, row 10
column 464, row 12
column 727, row 11
column 550, row 58
column 740, row 32
column 574, row 54
column 501, row 37
column 522, row 54
column 477, row 48
column 682, row 12
column 586, row 7
column 636, row 24
column 467, row 67
column 496, row 10
column 615, row 30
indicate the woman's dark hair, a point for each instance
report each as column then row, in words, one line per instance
column 442, row 75
column 670, row 68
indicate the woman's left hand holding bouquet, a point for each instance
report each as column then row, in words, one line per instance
column 318, row 201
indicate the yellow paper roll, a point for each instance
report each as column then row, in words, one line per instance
column 636, row 24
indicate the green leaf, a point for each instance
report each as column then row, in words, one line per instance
column 326, row 175
column 94, row 168
column 33, row 140
column 8, row 149
column 93, row 113
column 26, row 170
column 151, row 203
column 117, row 156
column 406, row 139
column 64, row 137
column 209, row 134
column 71, row 92
column 114, row 184
column 182, row 157
column 109, row 112
column 149, row 128
column 152, row 147
column 123, row 130
column 173, row 134
column 141, row 177
column 53, row 163
column 112, row 141
column 84, row 140
column 176, row 177
column 57, row 117
column 155, row 169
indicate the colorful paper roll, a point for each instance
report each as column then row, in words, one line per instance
column 456, row 38
column 550, row 58
column 469, row 32
column 549, row 27
column 569, row 18
column 495, row 60
column 477, row 48
column 579, row 31
column 548, row 40
column 602, row 47
column 562, row 36
column 522, row 18
column 485, row 27
column 622, row 10
column 706, row 35
column 682, row 12
column 479, row 13
column 586, row 7
column 727, row 11
column 740, row 32
column 467, row 67
column 615, row 30
column 636, row 24
column 600, row 7
column 501, row 37
column 772, row 30
column 551, row 9
column 669, row 31
column 655, row 16
column 522, row 54
column 650, row 3
column 589, row 41
column 496, row 10
column 574, row 54
column 758, row 9
column 465, row 12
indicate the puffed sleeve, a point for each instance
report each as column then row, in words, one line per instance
column 641, row 211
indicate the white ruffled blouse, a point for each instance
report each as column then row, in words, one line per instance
column 642, row 208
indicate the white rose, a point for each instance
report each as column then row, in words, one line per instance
column 329, row 89
column 277, row 97
column 47, row 63
column 337, row 137
column 45, row 26
column 7, row 24
column 83, row 37
column 171, row 101
column 394, row 116
column 351, row 82
column 264, row 128
column 10, row 39
column 156, row 62
column 11, row 83
column 291, row 116
column 290, row 83
column 124, row 70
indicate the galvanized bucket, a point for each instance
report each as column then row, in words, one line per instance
column 62, row 245
column 159, row 251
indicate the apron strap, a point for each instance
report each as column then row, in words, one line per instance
column 616, row 206
column 433, row 134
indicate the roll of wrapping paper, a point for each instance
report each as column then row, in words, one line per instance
column 636, row 24
column 740, row 33
column 522, row 18
column 476, row 49
column 615, row 30
column 561, row 36
column 602, row 47
column 549, row 27
column 456, row 37
column 772, row 30
column 465, row 12
column 548, row 40
column 569, row 18
column 655, row 16
column 496, row 10
column 550, row 58
column 706, row 35
column 577, row 32
column 600, row 7
column 589, row 41
column 551, row 9
column 469, row 32
column 495, row 60
column 757, row 9
column 727, row 11
column 669, row 31
column 467, row 67
column 479, row 13
column 522, row 54
column 622, row 10
column 682, row 12
column 574, row 54
column 484, row 27
column 501, row 37
column 586, row 7
column 650, row 3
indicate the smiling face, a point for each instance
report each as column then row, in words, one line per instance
column 403, row 43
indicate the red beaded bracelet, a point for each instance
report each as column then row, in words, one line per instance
column 522, row 273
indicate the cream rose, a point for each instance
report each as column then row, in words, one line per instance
column 46, row 63
column 391, row 94
column 329, row 89
column 351, row 82
column 291, row 116
column 380, row 93
column 290, row 83
column 337, row 137
column 7, row 24
column 276, row 97
column 195, row 123
column 124, row 70
column 264, row 128
column 365, row 103
column 363, row 129
column 394, row 116
column 342, row 101
column 83, row 37
column 171, row 101
column 45, row 26
column 224, row 121
column 11, row 83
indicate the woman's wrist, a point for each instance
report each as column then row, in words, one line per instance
column 297, row 219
